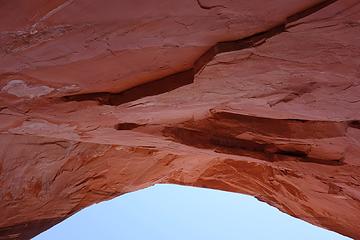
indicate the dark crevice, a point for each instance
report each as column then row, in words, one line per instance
column 354, row 124
column 326, row 18
column 297, row 16
column 159, row 86
column 284, row 128
column 169, row 83
column 201, row 5
column 241, row 147
column 127, row 126
column 294, row 153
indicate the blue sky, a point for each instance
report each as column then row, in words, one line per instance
column 164, row 212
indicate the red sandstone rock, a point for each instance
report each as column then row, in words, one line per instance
column 272, row 110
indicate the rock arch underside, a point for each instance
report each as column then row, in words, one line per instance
column 102, row 98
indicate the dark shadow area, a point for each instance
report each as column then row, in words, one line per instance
column 176, row 80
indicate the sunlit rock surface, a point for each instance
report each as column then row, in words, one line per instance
column 98, row 99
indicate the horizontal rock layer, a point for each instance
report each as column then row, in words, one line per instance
column 101, row 99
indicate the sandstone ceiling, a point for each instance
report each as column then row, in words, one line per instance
column 101, row 98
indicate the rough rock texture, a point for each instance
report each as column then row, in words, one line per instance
column 101, row 98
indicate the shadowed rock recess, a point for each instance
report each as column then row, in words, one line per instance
column 98, row 99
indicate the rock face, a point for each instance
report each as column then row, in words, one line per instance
column 101, row 98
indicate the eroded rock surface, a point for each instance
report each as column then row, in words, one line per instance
column 101, row 98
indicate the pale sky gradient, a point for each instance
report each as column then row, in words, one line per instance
column 170, row 212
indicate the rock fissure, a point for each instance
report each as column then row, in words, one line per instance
column 176, row 80
column 264, row 138
column 201, row 5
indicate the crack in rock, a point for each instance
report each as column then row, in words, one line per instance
column 176, row 80
column 201, row 5
column 267, row 139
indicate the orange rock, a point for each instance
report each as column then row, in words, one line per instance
column 101, row 99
